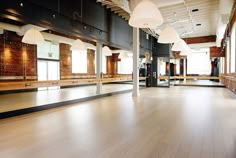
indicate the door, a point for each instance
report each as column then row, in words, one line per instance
column 48, row 70
column 163, row 71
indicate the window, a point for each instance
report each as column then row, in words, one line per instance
column 48, row 50
column 104, row 63
column 177, row 67
column 79, row 61
column 199, row 62
column 228, row 58
column 222, row 65
column 232, row 51
column 125, row 66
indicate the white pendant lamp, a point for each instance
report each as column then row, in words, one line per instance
column 145, row 15
column 185, row 52
column 180, row 45
column 106, row 51
column 168, row 35
column 77, row 45
column 32, row 36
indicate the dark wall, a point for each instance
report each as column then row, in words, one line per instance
column 95, row 22
column 161, row 50
column 85, row 11
column 88, row 20
column 120, row 33
column 145, row 44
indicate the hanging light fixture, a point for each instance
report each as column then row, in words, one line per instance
column 32, row 36
column 145, row 15
column 168, row 35
column 185, row 52
column 180, row 45
column 77, row 45
column 106, row 51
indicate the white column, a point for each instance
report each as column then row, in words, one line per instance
column 135, row 61
column 184, row 69
column 158, row 70
column 99, row 66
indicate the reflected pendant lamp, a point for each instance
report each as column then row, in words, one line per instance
column 77, row 45
column 146, row 15
column 168, row 35
column 184, row 52
column 106, row 51
column 180, row 46
column 32, row 36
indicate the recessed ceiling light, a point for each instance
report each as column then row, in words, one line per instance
column 194, row 10
column 21, row 4
column 198, row 24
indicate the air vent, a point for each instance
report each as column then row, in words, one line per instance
column 198, row 24
column 194, row 10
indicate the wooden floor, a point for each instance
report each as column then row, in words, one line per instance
column 176, row 122
column 16, row 101
column 197, row 83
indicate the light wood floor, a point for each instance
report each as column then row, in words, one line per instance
column 198, row 82
column 176, row 122
column 16, row 101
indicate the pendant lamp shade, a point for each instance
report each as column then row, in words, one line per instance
column 106, row 51
column 168, row 35
column 180, row 46
column 145, row 15
column 77, row 45
column 185, row 52
column 32, row 36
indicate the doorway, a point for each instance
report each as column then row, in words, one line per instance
column 163, row 69
column 48, row 70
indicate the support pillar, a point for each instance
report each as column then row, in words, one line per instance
column 184, row 66
column 135, row 61
column 158, row 70
column 99, row 66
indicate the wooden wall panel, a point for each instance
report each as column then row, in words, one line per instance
column 203, row 39
column 66, row 60
column 66, row 63
column 216, row 52
column 91, row 61
column 18, row 60
column 112, row 64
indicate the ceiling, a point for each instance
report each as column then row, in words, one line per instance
column 190, row 18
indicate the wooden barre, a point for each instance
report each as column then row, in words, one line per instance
column 189, row 77
column 49, row 83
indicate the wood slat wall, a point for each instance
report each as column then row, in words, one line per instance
column 229, row 80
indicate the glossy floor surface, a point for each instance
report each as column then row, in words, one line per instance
column 176, row 122
column 197, row 82
column 16, row 101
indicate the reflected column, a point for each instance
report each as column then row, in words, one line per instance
column 184, row 69
column 135, row 61
column 99, row 66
